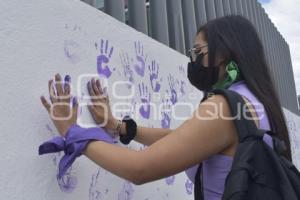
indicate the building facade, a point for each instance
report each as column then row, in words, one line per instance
column 175, row 22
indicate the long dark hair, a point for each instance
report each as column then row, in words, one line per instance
column 234, row 38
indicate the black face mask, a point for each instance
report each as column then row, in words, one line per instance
column 203, row 78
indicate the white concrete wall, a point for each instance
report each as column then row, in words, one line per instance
column 293, row 123
column 39, row 38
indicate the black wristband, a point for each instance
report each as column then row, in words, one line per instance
column 131, row 129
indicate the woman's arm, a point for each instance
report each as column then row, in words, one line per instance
column 120, row 161
column 192, row 142
column 189, row 144
column 147, row 136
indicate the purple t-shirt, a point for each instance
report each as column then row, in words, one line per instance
column 217, row 167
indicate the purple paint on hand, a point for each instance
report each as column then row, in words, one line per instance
column 67, row 78
column 128, row 72
column 140, row 58
column 172, row 89
column 104, row 58
column 155, row 82
column 145, row 99
column 170, row 180
column 127, row 192
column 189, row 187
column 166, row 113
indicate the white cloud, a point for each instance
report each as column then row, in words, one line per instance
column 286, row 17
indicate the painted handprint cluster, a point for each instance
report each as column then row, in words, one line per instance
column 144, row 73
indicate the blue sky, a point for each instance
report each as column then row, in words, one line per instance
column 264, row 1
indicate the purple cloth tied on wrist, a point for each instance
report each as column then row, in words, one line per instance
column 73, row 144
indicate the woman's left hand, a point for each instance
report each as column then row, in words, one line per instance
column 61, row 112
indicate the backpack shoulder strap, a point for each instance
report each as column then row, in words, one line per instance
column 198, row 186
column 245, row 127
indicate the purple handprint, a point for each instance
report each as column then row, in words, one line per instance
column 170, row 180
column 104, row 58
column 182, row 87
column 68, row 182
column 71, row 47
column 58, row 154
column 189, row 187
column 71, row 51
column 133, row 108
column 166, row 113
column 128, row 72
column 172, row 89
column 94, row 194
column 145, row 99
column 155, row 83
column 293, row 130
column 181, row 70
column 127, row 191
column 140, row 58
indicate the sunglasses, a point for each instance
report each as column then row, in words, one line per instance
column 194, row 52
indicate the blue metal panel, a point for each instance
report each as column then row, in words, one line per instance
column 245, row 9
column 200, row 12
column 210, row 9
column 189, row 22
column 115, row 8
column 159, row 21
column 175, row 24
column 239, row 7
column 219, row 8
column 226, row 7
column 233, row 7
column 137, row 16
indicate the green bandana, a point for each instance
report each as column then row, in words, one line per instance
column 232, row 75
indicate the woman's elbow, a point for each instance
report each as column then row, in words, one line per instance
column 139, row 175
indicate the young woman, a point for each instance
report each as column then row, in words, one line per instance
column 227, row 53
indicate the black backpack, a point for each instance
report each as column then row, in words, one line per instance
column 258, row 172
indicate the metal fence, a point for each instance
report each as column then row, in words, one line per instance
column 174, row 23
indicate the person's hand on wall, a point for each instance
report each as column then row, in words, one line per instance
column 61, row 112
column 100, row 108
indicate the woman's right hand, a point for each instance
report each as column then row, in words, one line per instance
column 100, row 108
